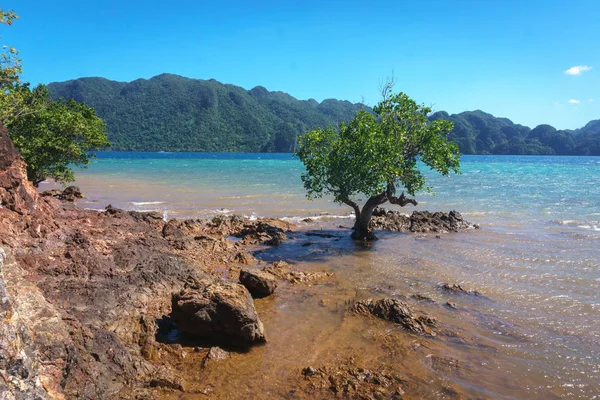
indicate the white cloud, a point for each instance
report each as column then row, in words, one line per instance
column 573, row 101
column 578, row 69
column 590, row 100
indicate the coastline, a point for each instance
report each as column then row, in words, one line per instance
column 108, row 279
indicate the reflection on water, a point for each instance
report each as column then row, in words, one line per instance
column 534, row 334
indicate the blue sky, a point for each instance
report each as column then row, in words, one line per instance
column 504, row 57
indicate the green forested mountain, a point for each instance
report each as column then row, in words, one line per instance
column 477, row 132
column 173, row 113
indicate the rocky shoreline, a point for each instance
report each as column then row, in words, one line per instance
column 98, row 305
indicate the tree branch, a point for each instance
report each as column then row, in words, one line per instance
column 352, row 204
column 401, row 200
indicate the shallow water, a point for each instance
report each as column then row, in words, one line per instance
column 534, row 334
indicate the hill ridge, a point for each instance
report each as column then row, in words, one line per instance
column 170, row 112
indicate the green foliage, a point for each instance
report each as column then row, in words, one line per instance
column 173, row 113
column 12, row 90
column 55, row 135
column 376, row 153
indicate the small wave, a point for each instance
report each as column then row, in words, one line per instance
column 224, row 211
column 317, row 217
column 565, row 222
column 252, row 217
column 146, row 203
column 590, row 227
column 94, row 209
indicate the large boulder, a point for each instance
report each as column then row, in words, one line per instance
column 16, row 192
column 219, row 312
column 259, row 283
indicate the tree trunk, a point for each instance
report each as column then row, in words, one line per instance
column 362, row 229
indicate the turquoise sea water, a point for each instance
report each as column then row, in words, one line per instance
column 536, row 258
column 491, row 189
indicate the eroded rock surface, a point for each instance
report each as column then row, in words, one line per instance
column 81, row 292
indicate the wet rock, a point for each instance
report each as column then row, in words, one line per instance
column 309, row 371
column 390, row 220
column 420, row 221
column 450, row 305
column 214, row 354
column 259, row 283
column 454, row 288
column 420, row 297
column 262, row 232
column 217, row 312
column 394, row 310
column 351, row 382
column 166, row 382
column 425, row 221
column 71, row 193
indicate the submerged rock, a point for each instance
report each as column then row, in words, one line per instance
column 394, row 310
column 214, row 354
column 283, row 270
column 350, row 382
column 217, row 312
column 259, row 283
column 454, row 288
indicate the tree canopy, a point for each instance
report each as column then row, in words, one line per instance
column 51, row 135
column 55, row 135
column 374, row 155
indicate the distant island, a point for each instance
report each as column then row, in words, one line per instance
column 173, row 113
